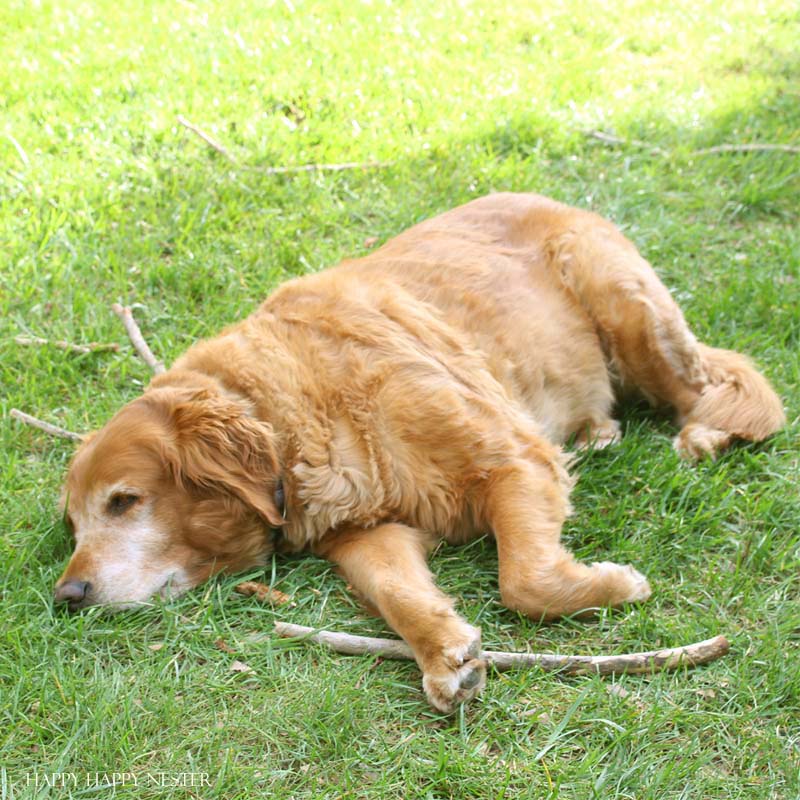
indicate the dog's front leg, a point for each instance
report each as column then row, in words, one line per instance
column 387, row 566
column 526, row 506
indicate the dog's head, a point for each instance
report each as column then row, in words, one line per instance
column 179, row 485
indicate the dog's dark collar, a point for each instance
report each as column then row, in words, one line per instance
column 279, row 498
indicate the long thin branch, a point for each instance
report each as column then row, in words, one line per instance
column 748, row 147
column 53, row 430
column 135, row 335
column 92, row 347
column 650, row 661
column 745, row 147
column 23, row 156
column 208, row 139
column 220, row 148
column 608, row 138
column 326, row 167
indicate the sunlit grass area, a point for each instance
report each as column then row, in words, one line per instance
column 105, row 197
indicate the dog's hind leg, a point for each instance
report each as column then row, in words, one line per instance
column 718, row 394
column 525, row 504
column 386, row 566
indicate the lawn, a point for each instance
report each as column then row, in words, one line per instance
column 105, row 197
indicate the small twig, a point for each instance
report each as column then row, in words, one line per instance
column 209, row 140
column 53, row 430
column 629, row 663
column 747, row 147
column 616, row 140
column 212, row 142
column 135, row 335
column 92, row 347
column 750, row 147
column 23, row 156
column 606, row 137
column 326, row 167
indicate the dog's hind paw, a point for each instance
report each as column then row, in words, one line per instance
column 627, row 585
column 698, row 441
column 456, row 677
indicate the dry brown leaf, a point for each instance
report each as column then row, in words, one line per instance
column 240, row 666
column 155, row 647
column 538, row 714
column 263, row 592
column 370, row 241
column 221, row 644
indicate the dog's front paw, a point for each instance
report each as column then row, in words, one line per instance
column 456, row 676
column 599, row 436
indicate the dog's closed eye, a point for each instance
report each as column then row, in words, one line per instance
column 120, row 502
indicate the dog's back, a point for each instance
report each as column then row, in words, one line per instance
column 564, row 311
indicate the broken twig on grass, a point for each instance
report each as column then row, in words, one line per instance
column 135, row 335
column 209, row 140
column 608, row 138
column 53, row 430
column 629, row 663
column 23, row 156
column 748, row 147
column 214, row 144
column 326, row 167
column 92, row 347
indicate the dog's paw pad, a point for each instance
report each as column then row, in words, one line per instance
column 474, row 677
column 448, row 690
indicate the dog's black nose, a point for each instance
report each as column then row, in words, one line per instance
column 72, row 592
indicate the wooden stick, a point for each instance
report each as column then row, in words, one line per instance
column 213, row 143
column 23, row 156
column 609, row 139
column 629, row 663
column 327, row 167
column 747, row 147
column 209, row 140
column 53, row 430
column 750, row 147
column 606, row 137
column 135, row 335
column 92, row 347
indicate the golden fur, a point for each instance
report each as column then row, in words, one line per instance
column 420, row 393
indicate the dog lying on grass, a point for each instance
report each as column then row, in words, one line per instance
column 418, row 394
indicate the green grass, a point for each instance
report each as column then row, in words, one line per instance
column 104, row 197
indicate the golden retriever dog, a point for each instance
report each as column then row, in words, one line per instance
column 418, row 394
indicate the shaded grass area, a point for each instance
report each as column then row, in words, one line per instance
column 103, row 197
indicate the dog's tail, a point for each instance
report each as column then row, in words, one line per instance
column 719, row 395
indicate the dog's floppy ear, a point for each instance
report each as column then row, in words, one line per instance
column 219, row 445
